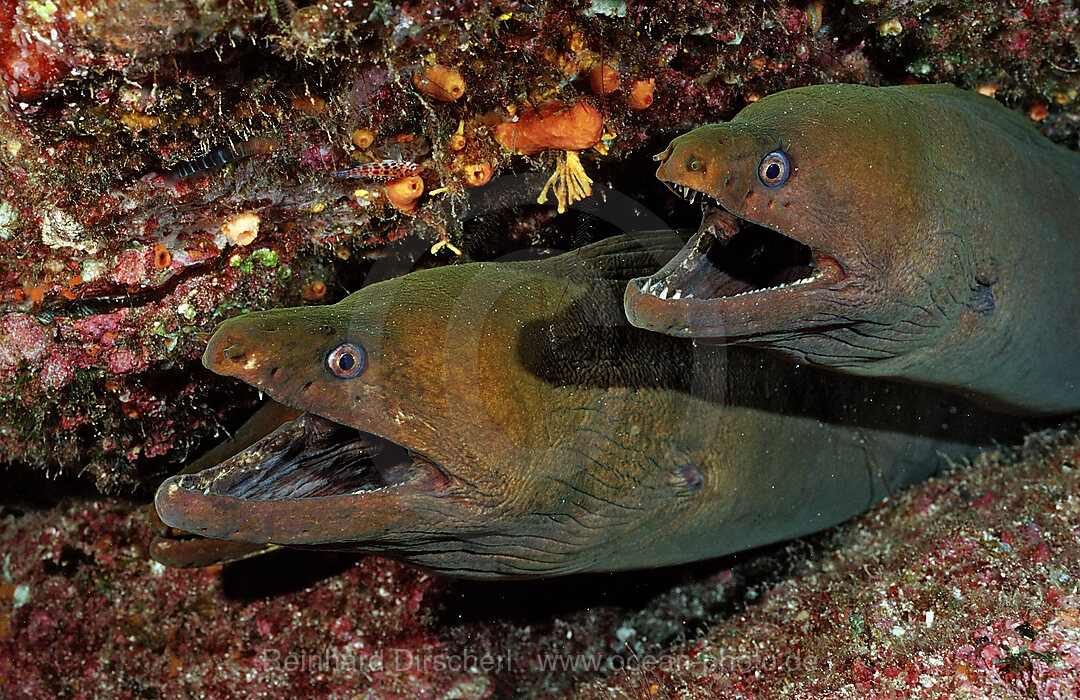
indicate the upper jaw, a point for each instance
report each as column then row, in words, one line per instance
column 734, row 277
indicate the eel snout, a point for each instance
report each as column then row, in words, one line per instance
column 253, row 347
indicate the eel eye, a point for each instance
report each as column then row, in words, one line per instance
column 346, row 360
column 694, row 165
column 773, row 170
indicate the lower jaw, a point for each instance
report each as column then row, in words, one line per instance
column 690, row 298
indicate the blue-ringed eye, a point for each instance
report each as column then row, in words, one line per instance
column 346, row 360
column 774, row 169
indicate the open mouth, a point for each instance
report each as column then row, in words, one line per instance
column 731, row 257
column 307, row 468
column 731, row 265
column 309, row 457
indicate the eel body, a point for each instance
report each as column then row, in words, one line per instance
column 504, row 420
column 922, row 233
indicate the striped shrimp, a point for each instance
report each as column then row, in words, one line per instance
column 225, row 154
column 381, row 170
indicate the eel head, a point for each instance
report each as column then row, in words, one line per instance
column 425, row 437
column 385, row 457
column 806, row 210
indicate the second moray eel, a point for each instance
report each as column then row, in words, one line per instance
column 503, row 420
column 923, row 233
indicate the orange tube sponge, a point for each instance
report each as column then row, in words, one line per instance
column 440, row 83
column 603, row 79
column 162, row 256
column 404, row 191
column 641, row 94
column 478, row 174
column 551, row 125
column 363, row 138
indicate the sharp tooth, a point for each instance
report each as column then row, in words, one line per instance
column 677, row 294
column 663, row 293
column 645, row 286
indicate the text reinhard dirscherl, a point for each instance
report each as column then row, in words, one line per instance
column 396, row 661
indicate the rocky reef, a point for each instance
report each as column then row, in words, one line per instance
column 166, row 165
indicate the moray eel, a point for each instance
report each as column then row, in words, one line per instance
column 922, row 233
column 504, row 420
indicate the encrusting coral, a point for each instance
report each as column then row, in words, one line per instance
column 569, row 183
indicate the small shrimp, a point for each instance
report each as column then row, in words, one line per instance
column 224, row 155
column 381, row 170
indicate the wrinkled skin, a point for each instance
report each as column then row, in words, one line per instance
column 542, row 434
column 928, row 234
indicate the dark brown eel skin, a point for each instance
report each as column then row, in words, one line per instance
column 921, row 233
column 504, row 420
